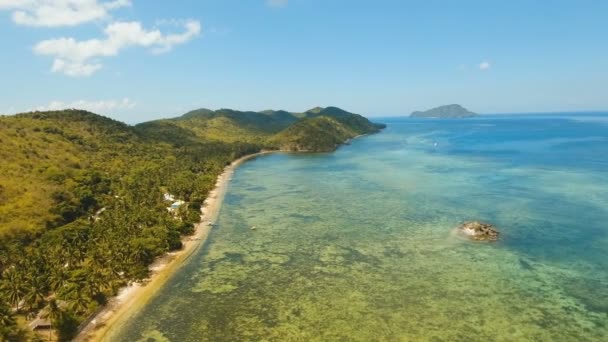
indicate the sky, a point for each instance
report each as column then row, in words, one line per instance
column 136, row 60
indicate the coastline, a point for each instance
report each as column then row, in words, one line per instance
column 133, row 297
column 130, row 299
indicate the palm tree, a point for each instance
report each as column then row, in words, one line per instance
column 13, row 287
column 6, row 316
column 58, row 278
column 8, row 325
column 80, row 303
column 53, row 313
column 34, row 296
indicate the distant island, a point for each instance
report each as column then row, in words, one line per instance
column 453, row 111
column 87, row 203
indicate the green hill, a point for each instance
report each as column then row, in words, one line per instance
column 82, row 211
column 323, row 130
column 269, row 129
column 51, row 160
column 232, row 125
column 317, row 134
column 355, row 122
column 48, row 157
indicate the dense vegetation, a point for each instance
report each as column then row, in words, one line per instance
column 228, row 125
column 323, row 130
column 82, row 211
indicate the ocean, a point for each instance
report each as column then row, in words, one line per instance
column 360, row 244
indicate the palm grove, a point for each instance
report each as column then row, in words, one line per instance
column 82, row 211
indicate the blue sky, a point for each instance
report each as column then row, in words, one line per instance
column 139, row 60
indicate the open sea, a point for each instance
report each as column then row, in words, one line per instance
column 359, row 245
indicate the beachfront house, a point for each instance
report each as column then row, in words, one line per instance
column 40, row 323
column 175, row 206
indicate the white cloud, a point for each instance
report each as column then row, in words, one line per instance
column 99, row 107
column 74, row 69
column 80, row 58
column 485, row 65
column 53, row 13
column 277, row 3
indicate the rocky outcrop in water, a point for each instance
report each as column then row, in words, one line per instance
column 479, row 231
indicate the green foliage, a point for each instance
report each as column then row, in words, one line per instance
column 67, row 326
column 323, row 130
column 316, row 134
column 8, row 323
column 223, row 125
column 82, row 211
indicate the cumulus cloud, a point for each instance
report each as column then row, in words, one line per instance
column 80, row 58
column 100, row 107
column 54, row 13
column 485, row 65
column 277, row 3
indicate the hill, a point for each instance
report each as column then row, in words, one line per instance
column 82, row 209
column 52, row 161
column 48, row 155
column 453, row 111
column 258, row 122
column 268, row 129
column 323, row 130
column 230, row 125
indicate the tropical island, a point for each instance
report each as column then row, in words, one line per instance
column 453, row 111
column 88, row 203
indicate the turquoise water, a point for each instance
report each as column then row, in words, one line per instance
column 359, row 245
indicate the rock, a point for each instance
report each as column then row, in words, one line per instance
column 479, row 231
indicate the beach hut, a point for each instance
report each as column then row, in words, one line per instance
column 40, row 324
column 177, row 204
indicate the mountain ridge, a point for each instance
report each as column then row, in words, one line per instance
column 264, row 127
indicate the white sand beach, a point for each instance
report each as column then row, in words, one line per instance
column 132, row 298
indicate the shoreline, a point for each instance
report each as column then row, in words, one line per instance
column 132, row 298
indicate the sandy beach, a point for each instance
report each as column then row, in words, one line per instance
column 132, row 298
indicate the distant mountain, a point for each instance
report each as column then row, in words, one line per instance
column 453, row 111
column 356, row 122
column 323, row 130
column 318, row 134
column 273, row 129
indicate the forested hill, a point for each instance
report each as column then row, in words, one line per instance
column 82, row 211
column 323, row 129
column 268, row 128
